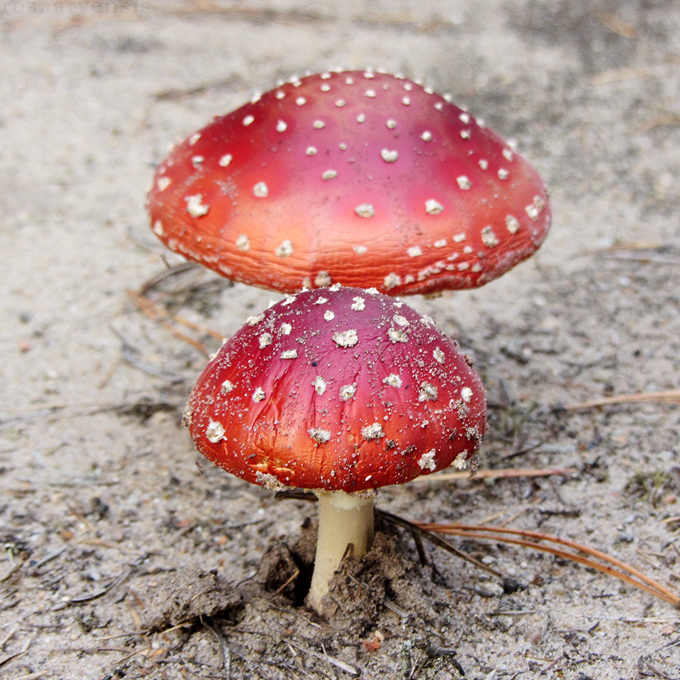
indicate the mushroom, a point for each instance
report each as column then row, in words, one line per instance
column 342, row 391
column 359, row 178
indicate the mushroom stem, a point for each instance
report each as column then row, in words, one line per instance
column 345, row 529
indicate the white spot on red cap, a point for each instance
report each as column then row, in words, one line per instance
column 281, row 126
column 289, row 354
column 512, row 224
column 158, row 228
column 227, row 386
column 194, row 138
column 300, row 101
column 441, row 243
column 310, row 151
column 214, row 432
column 365, row 210
column 438, row 355
column 347, row 392
column 401, row 321
column 280, row 94
column 225, row 160
column 319, row 435
column 243, row 243
column 360, row 250
column 508, row 154
column 290, row 299
column 325, row 75
column 340, row 103
column 318, row 125
column 320, row 385
column 322, row 279
column 196, row 161
column 265, row 340
column 285, row 328
column 349, row 80
column 361, row 118
column 433, row 207
column 370, row 93
column 369, row 74
column 248, row 120
column 464, row 117
column 460, row 462
column 393, row 380
column 439, row 106
column 465, row 134
column 392, row 280
column 258, row 394
column 414, row 251
column 373, row 431
column 395, row 335
column 358, row 304
column 347, row 338
column 261, row 190
column 459, row 237
column 427, row 462
column 325, row 87
column 268, row 481
column 406, row 101
column 389, row 156
column 163, row 183
column 488, row 237
column 502, row 173
column 391, row 123
column 284, row 250
column 483, row 164
column 463, row 182
column 329, row 316
column 329, row 174
column 466, row 394
column 426, row 136
column 195, row 206
column 254, row 320
column 407, row 86
column 428, row 392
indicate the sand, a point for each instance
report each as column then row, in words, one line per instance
column 108, row 518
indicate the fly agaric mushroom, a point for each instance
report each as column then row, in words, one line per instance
column 359, row 178
column 342, row 391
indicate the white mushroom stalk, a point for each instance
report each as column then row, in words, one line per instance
column 345, row 530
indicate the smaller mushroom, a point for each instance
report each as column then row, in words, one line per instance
column 342, row 391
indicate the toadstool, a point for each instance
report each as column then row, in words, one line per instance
column 359, row 178
column 342, row 391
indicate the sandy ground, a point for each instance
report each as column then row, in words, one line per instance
column 102, row 497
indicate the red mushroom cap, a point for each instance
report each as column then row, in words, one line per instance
column 363, row 179
column 340, row 388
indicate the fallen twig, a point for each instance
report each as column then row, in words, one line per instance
column 225, row 652
column 155, row 313
column 428, row 534
column 531, row 539
column 503, row 473
column 666, row 397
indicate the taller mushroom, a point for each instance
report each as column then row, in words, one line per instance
column 342, row 391
column 359, row 178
